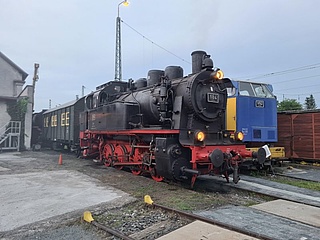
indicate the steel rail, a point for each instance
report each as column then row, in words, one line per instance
column 211, row 221
column 111, row 231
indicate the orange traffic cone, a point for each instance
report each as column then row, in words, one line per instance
column 60, row 160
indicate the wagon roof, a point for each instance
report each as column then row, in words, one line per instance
column 68, row 104
column 300, row 111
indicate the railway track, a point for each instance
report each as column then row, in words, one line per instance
column 270, row 188
column 194, row 217
column 158, row 229
column 261, row 221
column 226, row 220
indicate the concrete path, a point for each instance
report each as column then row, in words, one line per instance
column 30, row 197
column 263, row 223
column 201, row 230
column 280, row 190
column 303, row 174
column 279, row 219
column 295, row 211
column 259, row 185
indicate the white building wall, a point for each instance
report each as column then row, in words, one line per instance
column 4, row 116
column 10, row 80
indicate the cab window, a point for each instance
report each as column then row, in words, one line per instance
column 261, row 91
column 245, row 89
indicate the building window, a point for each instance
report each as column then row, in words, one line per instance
column 63, row 119
column 67, row 118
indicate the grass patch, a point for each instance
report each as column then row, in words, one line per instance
column 141, row 191
column 290, row 181
column 192, row 201
column 299, row 183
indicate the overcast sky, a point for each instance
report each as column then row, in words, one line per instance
column 74, row 41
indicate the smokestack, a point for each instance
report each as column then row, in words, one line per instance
column 197, row 58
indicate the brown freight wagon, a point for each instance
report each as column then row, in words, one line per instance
column 299, row 134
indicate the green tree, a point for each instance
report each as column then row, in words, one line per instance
column 17, row 110
column 289, row 104
column 310, row 102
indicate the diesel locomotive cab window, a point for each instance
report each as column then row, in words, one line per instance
column 254, row 90
column 245, row 89
column 266, row 91
column 261, row 90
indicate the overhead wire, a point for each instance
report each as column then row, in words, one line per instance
column 173, row 54
column 272, row 74
column 299, row 87
column 287, row 71
column 295, row 79
column 266, row 75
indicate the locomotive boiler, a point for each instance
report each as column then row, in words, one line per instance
column 168, row 125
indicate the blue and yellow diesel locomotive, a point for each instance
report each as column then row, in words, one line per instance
column 252, row 110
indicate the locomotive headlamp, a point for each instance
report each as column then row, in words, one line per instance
column 239, row 136
column 218, row 74
column 199, row 136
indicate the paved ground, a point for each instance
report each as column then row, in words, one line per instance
column 201, row 230
column 295, row 211
column 278, row 219
column 275, row 189
column 34, row 196
column 270, row 225
column 303, row 174
column 280, row 190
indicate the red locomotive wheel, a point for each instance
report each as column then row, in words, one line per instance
column 107, row 154
column 154, row 175
column 119, row 155
column 136, row 170
column 107, row 162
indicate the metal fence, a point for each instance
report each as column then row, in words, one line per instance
column 10, row 136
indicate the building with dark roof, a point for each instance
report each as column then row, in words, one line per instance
column 12, row 81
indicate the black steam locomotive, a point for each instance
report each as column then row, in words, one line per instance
column 168, row 125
